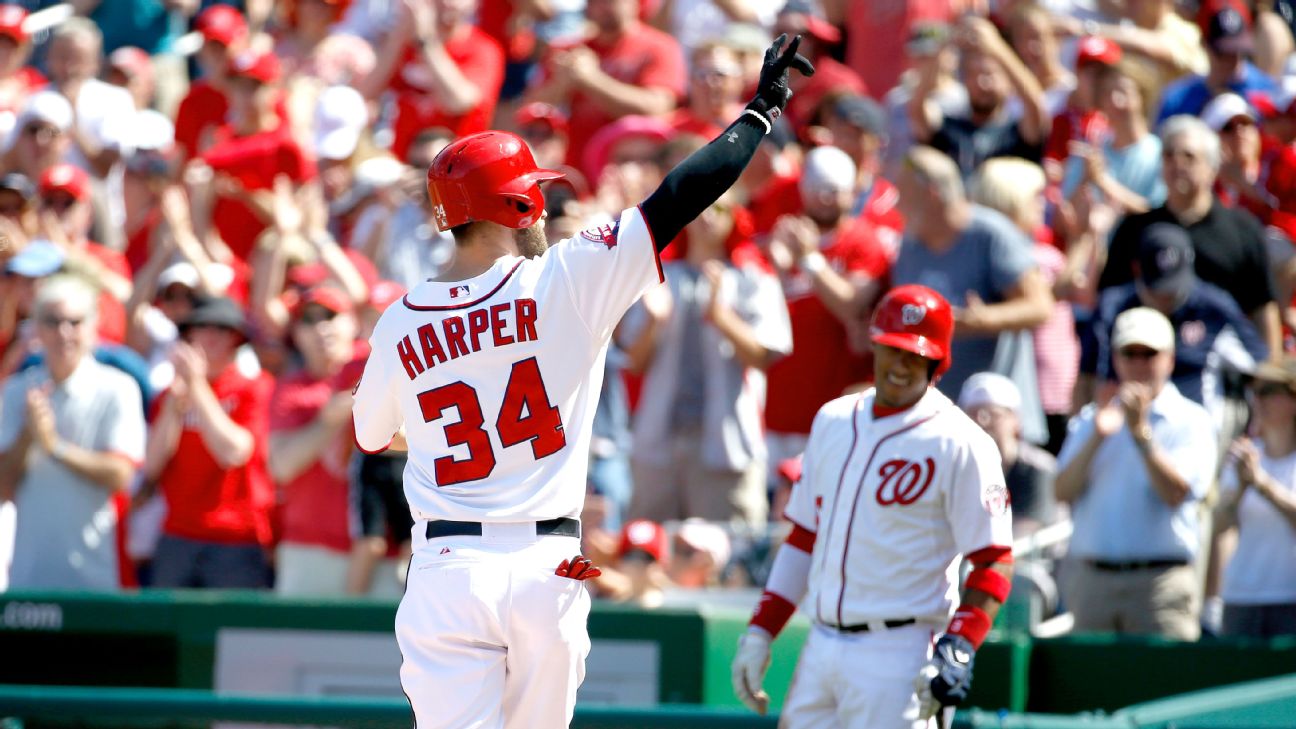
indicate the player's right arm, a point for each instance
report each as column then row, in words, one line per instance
column 376, row 411
column 697, row 182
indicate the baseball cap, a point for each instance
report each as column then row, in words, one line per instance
column 222, row 24
column 50, row 107
column 1225, row 108
column 340, row 117
column 1282, row 371
column 326, row 296
column 1228, row 32
column 1145, row 327
column 12, row 19
column 538, row 111
column 385, row 293
column 827, row 170
column 18, row 182
column 65, row 178
column 862, row 113
column 746, row 38
column 1270, row 105
column 1096, row 49
column 990, row 388
column 183, row 273
column 599, row 148
column 258, row 66
column 37, row 259
column 151, row 131
column 131, row 61
column 370, row 176
column 643, row 535
column 1165, row 258
column 815, row 24
column 704, row 536
column 215, row 311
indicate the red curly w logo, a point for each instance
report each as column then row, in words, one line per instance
column 903, row 482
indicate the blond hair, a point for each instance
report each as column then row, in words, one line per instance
column 1007, row 184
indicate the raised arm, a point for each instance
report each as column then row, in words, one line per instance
column 697, row 182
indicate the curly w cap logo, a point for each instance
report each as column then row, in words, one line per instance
column 911, row 314
column 904, row 482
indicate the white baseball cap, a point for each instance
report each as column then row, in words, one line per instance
column 151, row 131
column 1225, row 108
column 827, row 170
column 340, row 117
column 50, row 107
column 989, row 388
column 1145, row 327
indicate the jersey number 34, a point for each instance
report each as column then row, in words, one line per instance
column 525, row 415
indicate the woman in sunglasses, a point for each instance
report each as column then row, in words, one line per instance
column 1259, row 499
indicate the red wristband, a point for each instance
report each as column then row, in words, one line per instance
column 772, row 613
column 971, row 623
column 992, row 583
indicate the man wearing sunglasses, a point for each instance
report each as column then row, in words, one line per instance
column 1133, row 468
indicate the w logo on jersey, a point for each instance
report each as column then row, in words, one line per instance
column 912, row 314
column 904, row 482
column 605, row 234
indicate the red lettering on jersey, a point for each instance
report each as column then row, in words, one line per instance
column 526, row 320
column 453, row 328
column 405, row 351
column 478, row 321
column 498, row 324
column 903, row 481
column 431, row 346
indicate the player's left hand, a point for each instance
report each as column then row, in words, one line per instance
column 772, row 91
column 946, row 678
column 578, row 567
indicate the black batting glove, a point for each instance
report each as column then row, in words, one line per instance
column 947, row 677
column 772, row 92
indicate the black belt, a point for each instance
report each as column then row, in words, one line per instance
column 864, row 627
column 561, row 527
column 1136, row 565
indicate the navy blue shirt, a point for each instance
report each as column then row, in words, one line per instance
column 1201, row 325
column 1190, row 95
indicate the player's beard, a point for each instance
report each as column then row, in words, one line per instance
column 531, row 242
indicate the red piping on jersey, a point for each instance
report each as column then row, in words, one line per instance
column 465, row 305
column 840, row 477
column 855, row 503
column 661, row 275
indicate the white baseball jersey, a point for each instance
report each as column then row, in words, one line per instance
column 496, row 378
column 894, row 501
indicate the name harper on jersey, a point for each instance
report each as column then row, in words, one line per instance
column 456, row 336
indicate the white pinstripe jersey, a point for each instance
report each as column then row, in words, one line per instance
column 894, row 501
column 496, row 378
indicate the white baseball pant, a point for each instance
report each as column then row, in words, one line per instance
column 491, row 637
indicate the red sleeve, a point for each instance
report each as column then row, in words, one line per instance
column 295, row 163
column 252, row 411
column 1055, row 148
column 863, row 252
column 484, row 67
column 1282, row 180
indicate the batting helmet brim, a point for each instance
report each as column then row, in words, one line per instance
column 919, row 345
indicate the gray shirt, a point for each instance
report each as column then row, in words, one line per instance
column 989, row 258
column 67, row 529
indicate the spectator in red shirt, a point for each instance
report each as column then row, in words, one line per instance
column 714, row 92
column 67, row 212
column 625, row 68
column 830, row 264
column 444, row 71
column 225, row 33
column 311, row 437
column 1276, row 198
column 207, row 453
column 17, row 79
column 250, row 152
column 1080, row 121
column 818, row 36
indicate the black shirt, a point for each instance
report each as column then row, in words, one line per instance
column 1230, row 249
column 969, row 145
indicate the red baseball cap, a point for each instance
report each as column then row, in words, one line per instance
column 385, row 293
column 326, row 296
column 646, row 536
column 12, row 18
column 1096, row 49
column 538, row 111
column 1272, row 105
column 222, row 24
column 131, row 61
column 65, row 178
column 262, row 67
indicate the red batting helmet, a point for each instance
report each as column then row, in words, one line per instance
column 916, row 319
column 487, row 176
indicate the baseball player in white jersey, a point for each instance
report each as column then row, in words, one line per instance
column 493, row 372
column 897, row 485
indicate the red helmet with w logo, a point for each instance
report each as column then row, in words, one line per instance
column 487, row 176
column 916, row 319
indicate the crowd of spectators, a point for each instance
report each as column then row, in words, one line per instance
column 204, row 207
